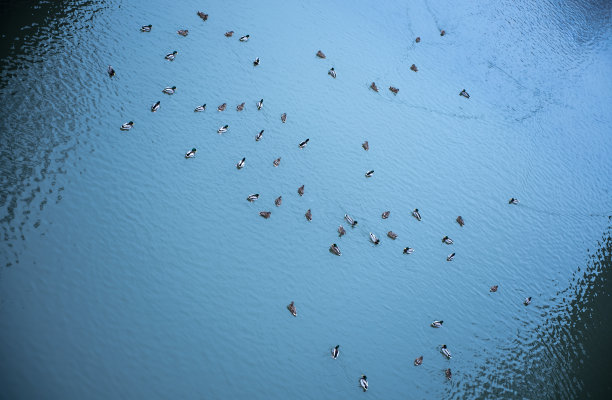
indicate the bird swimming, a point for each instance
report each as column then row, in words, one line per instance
column 200, row 108
column 408, row 250
column 191, row 154
column 146, row 28
column 111, row 71
column 392, row 235
column 460, row 220
column 169, row 90
column 284, row 117
column 365, row 145
column 447, row 240
column 276, row 162
column 335, row 351
column 374, row 239
column 369, row 174
column 445, row 351
column 527, row 301
column 332, row 73
column 202, row 15
column 303, row 144
column 418, row 39
column 155, row 106
column 240, row 107
column 450, row 257
column 418, row 361
column 363, row 382
column 341, row 231
column 335, row 250
column 301, row 190
column 513, row 201
column 416, row 214
column 127, row 126
column 448, row 373
column 260, row 104
column 437, row 324
column 292, row 309
column 320, row 54
column 374, row 87
column 442, row 32
column 393, row 89
column 414, row 68
column 222, row 107
column 171, row 56
column 350, row 220
column 256, row 62
column 251, row 198
column 308, row 215
column 229, row 33
column 223, row 129
column 385, row 214
column 278, row 201
column 245, row 38
column 259, row 136
column 265, row 214
column 183, row 32
column 241, row 163
column 493, row 288
column 464, row 94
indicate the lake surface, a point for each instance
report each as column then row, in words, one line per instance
column 130, row 272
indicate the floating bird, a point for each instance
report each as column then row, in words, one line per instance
column 222, row 107
column 183, row 32
column 229, row 33
column 464, row 94
column 416, row 214
column 336, row 350
column 127, row 126
column 202, row 15
column 259, row 136
column 146, row 28
column 240, row 107
column 191, row 154
column 385, row 215
column 256, row 62
column 320, row 54
column 332, row 73
column 374, row 87
column 284, row 117
column 304, row 143
column 418, row 361
column 450, row 257
column 448, row 373
column 169, row 90
column 437, row 324
column 418, row 39
column 155, row 106
column 111, row 71
column 260, row 104
column 442, row 32
column 292, row 309
column 513, row 201
column 241, row 163
column 365, row 145
column 392, row 235
column 245, row 38
column 374, row 239
column 350, row 220
column 278, row 201
column 276, row 162
column 369, row 174
column 265, row 214
column 200, row 108
column 171, row 56
column 393, row 89
column 301, row 190
column 363, row 382
column 223, row 129
column 493, row 288
column 408, row 250
column 308, row 215
column 527, row 301
column 253, row 197
column 334, row 249
column 460, row 220
column 341, row 231
column 445, row 351
column 414, row 68
column 447, row 240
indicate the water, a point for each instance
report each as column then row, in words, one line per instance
column 130, row 272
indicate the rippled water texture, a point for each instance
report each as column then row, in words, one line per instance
column 130, row 272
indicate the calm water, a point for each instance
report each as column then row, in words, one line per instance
column 129, row 272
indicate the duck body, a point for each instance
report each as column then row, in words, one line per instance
column 437, row 324
column 447, row 240
column 292, row 309
column 240, row 107
column 183, row 32
column 320, row 54
column 365, row 145
column 394, row 90
column 450, row 257
column 284, row 118
column 446, row 352
column 169, row 90
column 374, row 87
column 304, row 143
column 385, row 214
column 374, row 239
column 146, row 28
column 341, row 231
column 335, row 352
column 369, row 174
column 308, row 215
column 259, row 136
column 464, row 94
column 350, row 220
column 527, row 301
column 245, row 38
column 171, row 56
column 408, row 250
column 513, row 201
column 155, row 106
column 448, row 373
column 363, row 382
column 110, row 71
column 260, row 104
column 335, row 250
column 332, row 73
column 222, row 107
column 127, row 126
column 202, row 15
column 256, row 62
column 418, row 361
column 229, row 33
column 200, row 108
column 414, row 68
column 392, row 235
column 251, row 198
column 240, row 164
column 276, row 162
column 460, row 220
column 278, row 201
column 265, row 214
column 223, row 129
column 493, row 288
column 301, row 190
column 416, row 214
column 191, row 153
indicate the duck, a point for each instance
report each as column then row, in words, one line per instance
column 245, row 38
column 169, row 90
column 320, row 54
column 341, row 231
column 527, row 301
column 292, row 309
column 350, row 220
column 278, row 201
column 111, row 71
column 260, row 104
column 392, row 235
column 308, row 215
column 374, row 239
column 460, row 220
column 200, row 108
column 332, row 72
column 446, row 352
column 393, row 89
column 385, row 215
column 448, row 373
column 222, row 107
column 493, row 288
column 284, row 117
column 418, row 361
column 223, row 129
column 259, row 136
column 251, row 198
column 450, row 257
column 363, row 382
column 265, row 214
column 127, row 126
column 335, row 351
column 276, row 162
column 183, row 32
column 437, row 324
column 335, row 250
column 229, row 33
column 464, row 94
column 414, row 68
column 374, row 87
column 256, row 62
column 191, row 153
column 202, row 15
column 442, row 32
column 301, row 190
column 418, row 39
column 513, row 201
column 408, row 250
column 240, row 107
column 416, row 214
column 304, row 143
column 447, row 240
column 369, row 174
column 146, row 28
column 240, row 164
column 365, row 145
column 171, row 56
column 155, row 106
